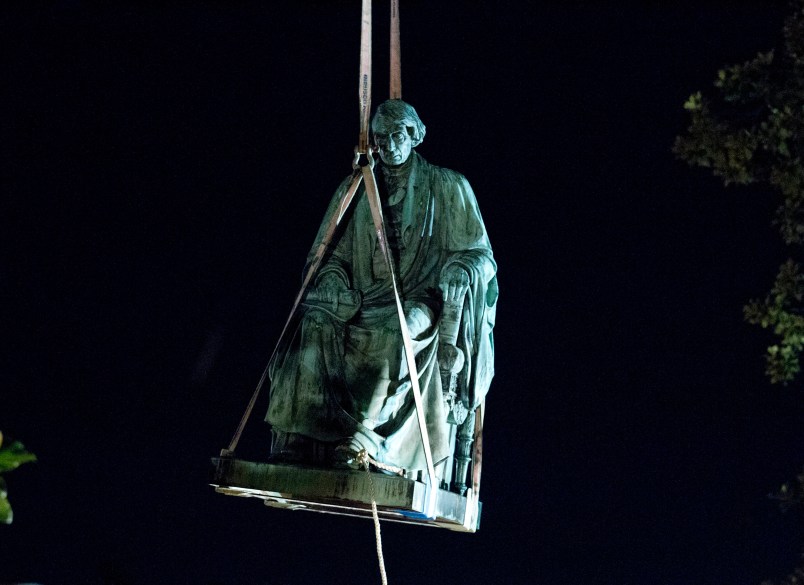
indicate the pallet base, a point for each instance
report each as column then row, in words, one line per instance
column 343, row 492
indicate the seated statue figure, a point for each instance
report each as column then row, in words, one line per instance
column 339, row 381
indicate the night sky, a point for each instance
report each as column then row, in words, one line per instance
column 164, row 171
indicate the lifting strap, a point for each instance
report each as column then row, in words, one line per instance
column 376, row 212
column 364, row 170
column 395, row 92
column 373, row 196
column 308, row 277
column 364, row 90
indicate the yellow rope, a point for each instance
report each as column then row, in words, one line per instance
column 384, row 466
column 364, row 458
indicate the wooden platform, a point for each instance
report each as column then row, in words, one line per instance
column 343, row 492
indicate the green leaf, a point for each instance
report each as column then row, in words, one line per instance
column 694, row 102
column 6, row 513
column 13, row 456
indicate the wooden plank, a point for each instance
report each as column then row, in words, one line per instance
column 342, row 492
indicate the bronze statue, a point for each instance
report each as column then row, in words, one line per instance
column 339, row 382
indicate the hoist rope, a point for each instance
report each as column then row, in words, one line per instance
column 364, row 459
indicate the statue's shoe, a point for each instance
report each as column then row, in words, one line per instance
column 351, row 455
column 346, row 455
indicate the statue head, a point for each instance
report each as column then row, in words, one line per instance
column 397, row 129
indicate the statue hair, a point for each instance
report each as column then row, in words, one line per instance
column 404, row 112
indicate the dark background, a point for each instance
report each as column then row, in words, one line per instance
column 164, row 170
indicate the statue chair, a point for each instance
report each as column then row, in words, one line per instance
column 462, row 414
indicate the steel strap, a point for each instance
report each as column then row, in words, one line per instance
column 364, row 89
column 346, row 200
column 376, row 213
column 396, row 54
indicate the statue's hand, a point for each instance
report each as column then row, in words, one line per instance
column 329, row 288
column 454, row 283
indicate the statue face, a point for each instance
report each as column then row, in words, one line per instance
column 393, row 140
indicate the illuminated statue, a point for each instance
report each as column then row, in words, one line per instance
column 339, row 382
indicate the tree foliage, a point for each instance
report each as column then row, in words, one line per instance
column 11, row 457
column 750, row 129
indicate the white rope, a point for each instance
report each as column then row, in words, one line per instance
column 364, row 458
column 386, row 467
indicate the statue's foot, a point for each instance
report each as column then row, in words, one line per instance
column 346, row 456
column 351, row 454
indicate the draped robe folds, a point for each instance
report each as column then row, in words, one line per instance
column 333, row 380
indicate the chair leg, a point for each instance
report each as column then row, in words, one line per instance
column 463, row 453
